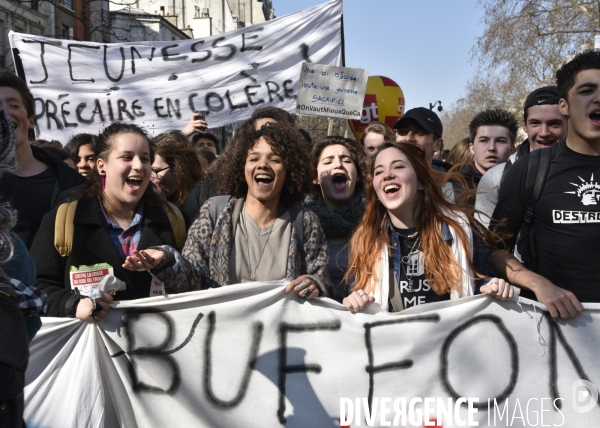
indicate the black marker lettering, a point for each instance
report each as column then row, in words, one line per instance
column 122, row 108
column 78, row 111
column 207, row 51
column 249, row 95
column 111, row 116
column 51, row 114
column 175, row 107
column 133, row 49
column 284, row 369
column 64, row 113
column 273, row 91
column 112, row 79
column 208, row 101
column 40, row 114
column 258, row 330
column 191, row 101
column 404, row 364
column 288, row 92
column 158, row 108
column 231, row 47
column 97, row 111
column 166, row 55
column 135, row 108
column 556, row 333
column 244, row 38
column 232, row 106
column 42, row 51
column 514, row 358
column 71, row 46
column 152, row 54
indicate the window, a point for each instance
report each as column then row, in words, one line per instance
column 105, row 17
column 67, row 3
column 137, row 34
column 66, row 32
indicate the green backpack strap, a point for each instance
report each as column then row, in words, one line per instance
column 64, row 228
column 177, row 223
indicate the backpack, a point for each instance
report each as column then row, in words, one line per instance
column 64, row 227
column 218, row 203
column 535, row 179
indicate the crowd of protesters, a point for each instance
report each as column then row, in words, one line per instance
column 382, row 219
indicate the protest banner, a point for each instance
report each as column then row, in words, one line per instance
column 330, row 91
column 84, row 86
column 249, row 355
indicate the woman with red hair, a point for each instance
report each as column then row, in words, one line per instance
column 412, row 246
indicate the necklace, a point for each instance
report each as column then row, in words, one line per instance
column 410, row 263
column 414, row 235
column 262, row 251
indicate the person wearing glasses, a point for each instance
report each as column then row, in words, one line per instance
column 176, row 169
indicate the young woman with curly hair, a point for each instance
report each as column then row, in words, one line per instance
column 412, row 246
column 338, row 199
column 254, row 236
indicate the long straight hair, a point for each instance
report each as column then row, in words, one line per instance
column 431, row 209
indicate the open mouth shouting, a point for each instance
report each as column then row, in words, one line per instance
column 263, row 180
column 595, row 117
column 339, row 181
column 134, row 182
column 391, row 189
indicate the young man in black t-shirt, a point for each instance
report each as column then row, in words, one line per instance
column 567, row 215
column 40, row 180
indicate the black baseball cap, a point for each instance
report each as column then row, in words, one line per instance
column 542, row 96
column 428, row 120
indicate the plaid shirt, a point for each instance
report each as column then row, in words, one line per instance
column 32, row 301
column 126, row 241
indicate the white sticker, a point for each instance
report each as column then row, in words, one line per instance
column 89, row 277
column 157, row 288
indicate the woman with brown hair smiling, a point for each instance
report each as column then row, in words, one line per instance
column 413, row 246
column 257, row 232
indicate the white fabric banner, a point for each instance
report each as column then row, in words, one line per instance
column 84, row 86
column 249, row 356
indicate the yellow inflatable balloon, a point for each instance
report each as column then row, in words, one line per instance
column 384, row 102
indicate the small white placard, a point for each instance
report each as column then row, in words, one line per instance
column 327, row 90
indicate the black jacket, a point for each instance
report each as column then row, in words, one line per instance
column 68, row 183
column 93, row 244
column 471, row 175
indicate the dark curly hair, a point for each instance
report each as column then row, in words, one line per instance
column 356, row 154
column 566, row 75
column 180, row 155
column 286, row 142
